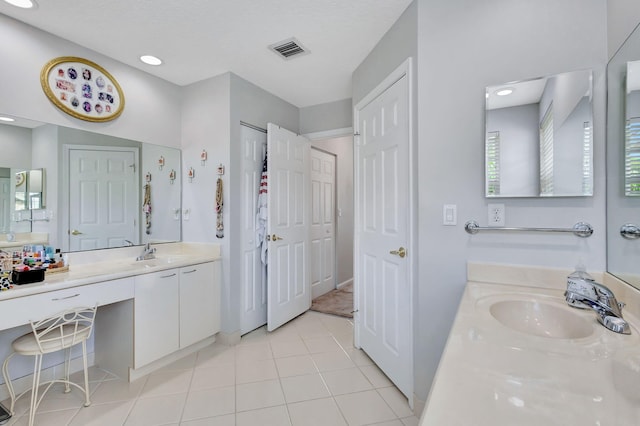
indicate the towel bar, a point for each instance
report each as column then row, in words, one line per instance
column 580, row 229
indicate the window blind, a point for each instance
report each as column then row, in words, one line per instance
column 632, row 157
column 492, row 159
column 546, row 152
column 587, row 158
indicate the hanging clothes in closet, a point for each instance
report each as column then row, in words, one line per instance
column 262, row 213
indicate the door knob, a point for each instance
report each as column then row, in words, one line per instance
column 274, row 237
column 400, row 252
column 76, row 232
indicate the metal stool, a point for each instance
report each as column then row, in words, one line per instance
column 53, row 334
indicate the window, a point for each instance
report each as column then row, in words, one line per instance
column 632, row 157
column 492, row 158
column 546, row 152
column 587, row 158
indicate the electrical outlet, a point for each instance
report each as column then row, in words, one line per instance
column 496, row 215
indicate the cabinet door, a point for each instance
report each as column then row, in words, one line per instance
column 156, row 316
column 199, row 302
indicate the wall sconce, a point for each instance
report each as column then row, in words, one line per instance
column 160, row 162
column 191, row 174
column 203, row 157
column 172, row 176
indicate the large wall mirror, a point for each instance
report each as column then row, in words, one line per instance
column 539, row 137
column 99, row 192
column 623, row 165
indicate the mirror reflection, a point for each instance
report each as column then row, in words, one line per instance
column 538, row 137
column 623, row 205
column 80, row 190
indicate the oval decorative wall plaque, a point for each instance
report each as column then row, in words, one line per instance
column 82, row 89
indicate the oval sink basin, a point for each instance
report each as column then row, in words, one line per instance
column 541, row 319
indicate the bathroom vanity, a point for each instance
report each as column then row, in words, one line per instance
column 150, row 312
column 518, row 354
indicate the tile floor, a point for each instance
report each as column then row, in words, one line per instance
column 306, row 373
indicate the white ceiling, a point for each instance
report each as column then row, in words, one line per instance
column 524, row 93
column 198, row 39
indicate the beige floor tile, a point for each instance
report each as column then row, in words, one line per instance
column 167, row 383
column 319, row 412
column 364, row 408
column 396, row 400
column 345, row 381
column 256, row 336
column 272, row 416
column 253, row 396
column 55, row 399
column 312, row 330
column 117, row 390
column 296, row 366
column 389, row 423
column 376, row 376
column 113, row 413
column 359, row 357
column 322, row 344
column 209, row 403
column 290, row 347
column 215, row 355
column 304, row 388
column 410, row 421
column 218, row 376
column 254, row 352
column 52, row 418
column 228, row 420
column 328, row 361
column 184, row 363
column 255, row 371
column 158, row 410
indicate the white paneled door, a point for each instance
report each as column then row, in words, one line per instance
column 103, row 197
column 323, row 228
column 253, row 272
column 288, row 226
column 383, row 279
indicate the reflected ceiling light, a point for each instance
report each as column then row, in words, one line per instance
column 150, row 60
column 24, row 4
column 7, row 119
column 504, row 92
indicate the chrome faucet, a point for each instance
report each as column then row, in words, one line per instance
column 586, row 293
column 147, row 253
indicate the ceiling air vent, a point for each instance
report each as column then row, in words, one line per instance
column 289, row 48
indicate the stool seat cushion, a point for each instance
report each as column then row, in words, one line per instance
column 54, row 340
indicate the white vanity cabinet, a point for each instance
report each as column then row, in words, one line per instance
column 174, row 309
column 156, row 315
column 199, row 302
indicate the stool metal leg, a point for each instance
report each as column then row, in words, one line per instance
column 34, row 390
column 67, row 362
column 7, row 381
column 86, row 374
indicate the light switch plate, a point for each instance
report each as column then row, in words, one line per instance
column 450, row 215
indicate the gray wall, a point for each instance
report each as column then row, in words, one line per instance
column 519, row 148
column 329, row 116
column 152, row 109
column 459, row 55
column 622, row 17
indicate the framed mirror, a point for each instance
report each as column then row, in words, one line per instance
column 539, row 137
column 98, row 201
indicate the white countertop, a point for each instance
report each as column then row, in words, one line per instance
column 105, row 265
column 490, row 374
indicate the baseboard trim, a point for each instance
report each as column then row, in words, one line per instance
column 229, row 339
column 345, row 283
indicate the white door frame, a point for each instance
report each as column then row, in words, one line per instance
column 405, row 69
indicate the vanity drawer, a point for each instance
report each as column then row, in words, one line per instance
column 19, row 311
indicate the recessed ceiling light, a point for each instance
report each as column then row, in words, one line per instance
column 24, row 4
column 8, row 119
column 150, row 60
column 504, row 92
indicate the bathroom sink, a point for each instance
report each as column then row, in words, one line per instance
column 541, row 319
column 161, row 260
column 626, row 373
